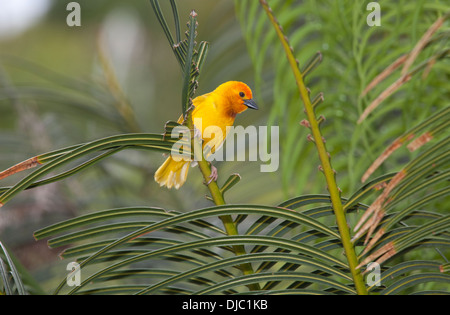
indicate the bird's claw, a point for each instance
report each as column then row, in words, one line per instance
column 197, row 133
column 214, row 175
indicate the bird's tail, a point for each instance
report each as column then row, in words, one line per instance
column 172, row 173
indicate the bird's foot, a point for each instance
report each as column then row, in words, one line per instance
column 214, row 175
column 197, row 133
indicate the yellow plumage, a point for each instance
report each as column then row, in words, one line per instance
column 216, row 109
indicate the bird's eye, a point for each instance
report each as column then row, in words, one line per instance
column 241, row 94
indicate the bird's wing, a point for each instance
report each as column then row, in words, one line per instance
column 198, row 101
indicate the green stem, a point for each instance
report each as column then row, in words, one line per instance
column 217, row 196
column 323, row 155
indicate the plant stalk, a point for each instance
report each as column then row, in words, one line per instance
column 217, row 196
column 323, row 155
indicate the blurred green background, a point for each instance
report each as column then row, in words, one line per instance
column 58, row 88
column 55, row 93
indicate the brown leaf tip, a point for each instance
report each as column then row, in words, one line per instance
column 22, row 166
column 420, row 141
column 380, row 186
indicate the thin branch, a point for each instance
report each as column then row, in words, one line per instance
column 217, row 197
column 323, row 155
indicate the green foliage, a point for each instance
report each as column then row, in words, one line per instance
column 353, row 54
column 292, row 247
column 10, row 277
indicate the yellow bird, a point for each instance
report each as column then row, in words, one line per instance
column 216, row 109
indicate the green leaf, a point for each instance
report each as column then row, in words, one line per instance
column 399, row 215
column 201, row 55
column 162, row 20
column 92, row 247
column 111, row 290
column 101, row 216
column 367, row 189
column 418, row 186
column 211, row 242
column 188, row 83
column 230, row 182
column 283, row 276
column 311, row 64
column 420, row 233
column 445, row 267
column 406, row 267
column 173, row 4
column 237, row 260
column 142, row 141
column 7, row 269
column 412, row 280
column 300, row 201
column 70, row 172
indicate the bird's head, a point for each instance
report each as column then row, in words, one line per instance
column 239, row 96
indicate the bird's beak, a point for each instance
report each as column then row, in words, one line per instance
column 250, row 103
